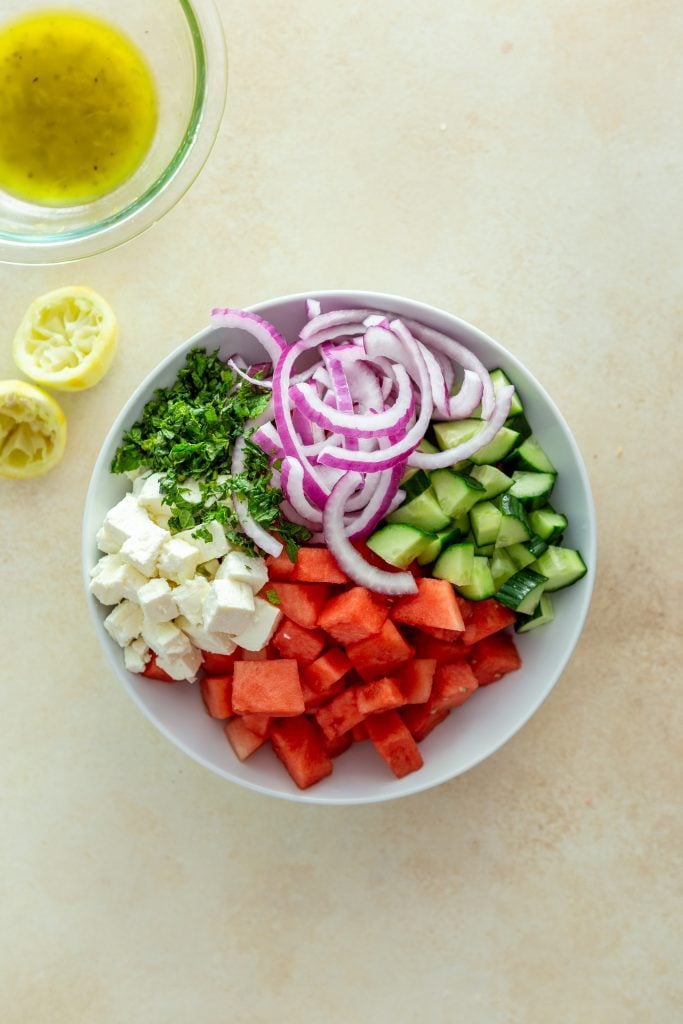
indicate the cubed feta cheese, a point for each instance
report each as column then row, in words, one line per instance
column 178, row 559
column 228, row 607
column 165, row 638
column 243, row 568
column 115, row 580
column 210, row 568
column 261, row 628
column 189, row 599
column 215, row 548
column 149, row 495
column 191, row 491
column 124, row 623
column 125, row 519
column 107, row 541
column 181, row 666
column 143, row 548
column 157, row 601
column 216, row 643
column 136, row 655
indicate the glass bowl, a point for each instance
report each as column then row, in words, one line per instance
column 494, row 713
column 184, row 46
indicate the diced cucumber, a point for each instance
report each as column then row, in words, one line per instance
column 482, row 585
column 457, row 531
column 427, row 447
column 529, row 486
column 423, row 511
column 485, row 521
column 520, row 555
column 514, row 526
column 484, row 549
column 492, row 480
column 497, row 449
column 451, row 433
column 499, row 379
column 562, row 566
column 536, row 546
column 502, row 566
column 455, row 492
column 456, row 564
column 523, row 591
column 398, row 544
column 547, row 523
column 415, row 484
column 520, row 424
column 531, row 456
column 543, row 614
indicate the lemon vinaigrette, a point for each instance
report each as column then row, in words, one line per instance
column 78, row 108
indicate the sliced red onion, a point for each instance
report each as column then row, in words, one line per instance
column 439, row 460
column 337, row 318
column 378, row 505
column 261, row 537
column 267, row 439
column 260, row 330
column 312, row 308
column 463, row 404
column 292, row 480
column 348, row 559
column 350, row 424
column 459, row 354
column 250, row 380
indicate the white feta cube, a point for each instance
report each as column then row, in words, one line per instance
column 263, row 624
column 215, row 548
column 243, row 568
column 228, row 607
column 124, row 623
column 107, row 562
column 157, row 601
column 178, row 559
column 165, row 638
column 181, row 666
column 189, row 599
column 149, row 495
column 136, row 655
column 210, row 568
column 115, row 580
column 125, row 519
column 107, row 541
column 215, row 643
column 191, row 491
column 143, row 548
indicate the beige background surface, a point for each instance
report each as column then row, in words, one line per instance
column 520, row 165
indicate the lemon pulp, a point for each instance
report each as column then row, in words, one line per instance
column 32, row 430
column 78, row 108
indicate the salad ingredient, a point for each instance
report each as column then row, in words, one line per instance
column 216, row 693
column 187, row 434
column 267, row 687
column 433, row 605
column 301, row 602
column 493, row 657
column 294, row 641
column 78, row 109
column 67, row 339
column 32, row 430
column 302, row 750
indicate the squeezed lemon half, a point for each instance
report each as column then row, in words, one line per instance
column 67, row 339
column 32, row 430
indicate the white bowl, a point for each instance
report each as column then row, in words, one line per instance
column 473, row 731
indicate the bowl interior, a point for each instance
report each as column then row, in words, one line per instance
column 180, row 41
column 494, row 713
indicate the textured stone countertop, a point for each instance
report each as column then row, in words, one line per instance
column 517, row 164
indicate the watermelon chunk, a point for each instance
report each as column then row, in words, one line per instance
column 415, row 679
column 338, row 745
column 394, row 743
column 433, row 606
column 219, row 664
column 340, row 714
column 451, row 635
column 242, row 740
column 259, row 724
column 317, row 565
column 267, row 687
column 294, row 641
column 152, row 671
column 379, row 655
column 453, row 684
column 442, row 651
column 359, row 732
column 216, row 693
column 355, row 614
column 263, row 655
column 321, row 675
column 280, row 567
column 380, row 695
column 420, row 719
column 493, row 657
column 487, row 617
column 301, row 602
column 300, row 746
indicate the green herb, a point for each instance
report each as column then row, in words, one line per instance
column 187, row 432
column 272, row 597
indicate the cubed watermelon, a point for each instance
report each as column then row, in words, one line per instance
column 219, row 664
column 300, row 746
column 216, row 693
column 353, row 615
column 433, row 606
column 317, row 565
column 487, row 617
column 340, row 714
column 280, row 567
column 295, row 641
column 301, row 602
column 242, row 740
column 493, row 657
column 415, row 679
column 380, row 695
column 422, row 718
column 381, row 654
column 359, row 732
column 394, row 743
column 267, row 687
column 152, row 671
column 322, row 674
column 442, row 651
column 259, row 724
column 453, row 684
column 338, row 745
